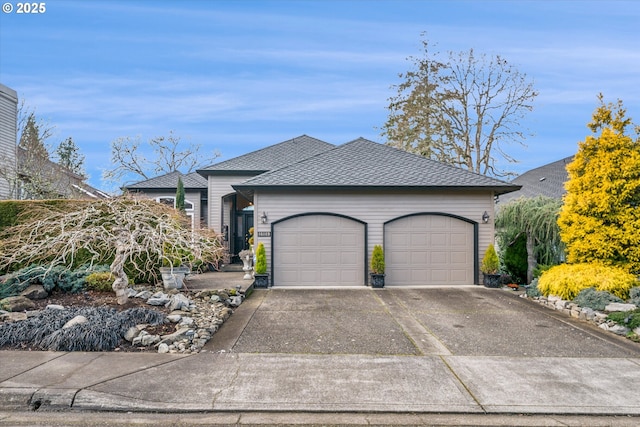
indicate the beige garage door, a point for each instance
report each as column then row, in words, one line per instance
column 429, row 250
column 318, row 250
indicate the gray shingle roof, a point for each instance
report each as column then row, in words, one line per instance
column 192, row 181
column 363, row 163
column 547, row 180
column 270, row 158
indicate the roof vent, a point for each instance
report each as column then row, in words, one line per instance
column 543, row 178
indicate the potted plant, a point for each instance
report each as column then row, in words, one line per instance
column 173, row 271
column 261, row 277
column 377, row 267
column 489, row 268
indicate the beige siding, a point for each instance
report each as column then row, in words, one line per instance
column 375, row 209
column 8, row 136
column 220, row 186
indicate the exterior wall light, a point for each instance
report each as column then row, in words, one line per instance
column 263, row 218
column 485, row 217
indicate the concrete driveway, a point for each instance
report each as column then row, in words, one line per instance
column 460, row 321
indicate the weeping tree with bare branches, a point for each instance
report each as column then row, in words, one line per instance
column 537, row 220
column 136, row 234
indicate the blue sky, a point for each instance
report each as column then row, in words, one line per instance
column 236, row 76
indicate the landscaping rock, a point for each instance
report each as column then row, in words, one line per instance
column 78, row 320
column 54, row 307
column 35, row 292
column 131, row 333
column 174, row 318
column 179, row 302
column 618, row 306
column 159, row 300
column 18, row 303
column 145, row 295
column 163, row 348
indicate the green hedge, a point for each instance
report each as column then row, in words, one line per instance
column 12, row 211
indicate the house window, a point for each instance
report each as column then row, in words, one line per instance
column 171, row 201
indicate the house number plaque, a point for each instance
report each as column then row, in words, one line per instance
column 264, row 234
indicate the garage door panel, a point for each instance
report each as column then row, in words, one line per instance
column 323, row 250
column 429, row 250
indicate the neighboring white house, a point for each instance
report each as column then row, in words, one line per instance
column 8, row 138
column 319, row 209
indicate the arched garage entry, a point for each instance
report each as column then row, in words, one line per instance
column 431, row 249
column 319, row 249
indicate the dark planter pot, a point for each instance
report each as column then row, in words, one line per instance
column 377, row 280
column 261, row 281
column 491, row 280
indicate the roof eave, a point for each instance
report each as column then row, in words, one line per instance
column 231, row 172
column 498, row 190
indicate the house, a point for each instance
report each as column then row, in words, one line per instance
column 232, row 214
column 319, row 210
column 27, row 176
column 547, row 180
column 163, row 189
column 8, row 137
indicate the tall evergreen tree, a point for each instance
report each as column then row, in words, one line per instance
column 600, row 218
column 31, row 138
column 180, row 196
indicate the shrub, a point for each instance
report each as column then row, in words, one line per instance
column 377, row 260
column 567, row 280
column 490, row 262
column 596, row 300
column 261, row 260
column 630, row 319
column 514, row 259
column 101, row 282
column 532, row 289
column 50, row 279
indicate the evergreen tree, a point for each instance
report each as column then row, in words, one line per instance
column 600, row 218
column 180, row 196
column 31, row 138
column 69, row 156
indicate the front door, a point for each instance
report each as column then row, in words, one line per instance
column 244, row 222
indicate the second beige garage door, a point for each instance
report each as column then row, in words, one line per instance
column 318, row 250
column 429, row 250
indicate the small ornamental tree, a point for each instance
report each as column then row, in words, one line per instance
column 261, row 260
column 490, row 262
column 537, row 220
column 600, row 218
column 377, row 260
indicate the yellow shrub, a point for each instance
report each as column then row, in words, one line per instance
column 567, row 280
column 100, row 281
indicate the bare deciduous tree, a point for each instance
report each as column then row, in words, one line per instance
column 460, row 111
column 128, row 161
column 122, row 230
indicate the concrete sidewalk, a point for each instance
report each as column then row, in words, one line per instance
column 416, row 370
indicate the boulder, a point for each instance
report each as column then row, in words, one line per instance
column 35, row 292
column 618, row 306
column 19, row 303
